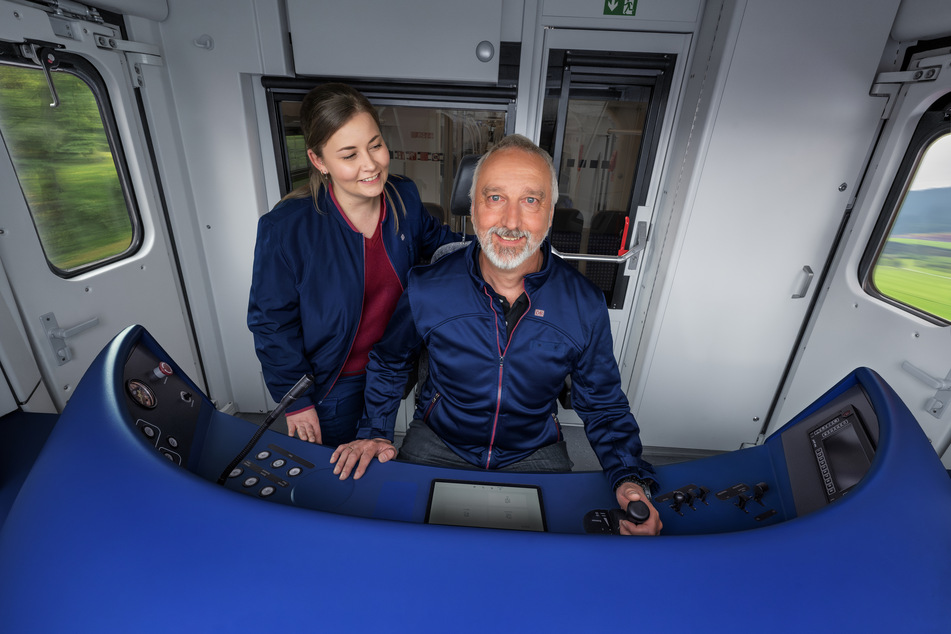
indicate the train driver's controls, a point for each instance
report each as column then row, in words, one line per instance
column 609, row 521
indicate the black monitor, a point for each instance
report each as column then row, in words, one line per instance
column 843, row 452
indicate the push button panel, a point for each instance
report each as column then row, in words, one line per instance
column 269, row 473
column 164, row 407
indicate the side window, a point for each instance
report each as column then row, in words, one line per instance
column 912, row 266
column 69, row 170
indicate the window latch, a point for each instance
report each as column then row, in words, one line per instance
column 44, row 58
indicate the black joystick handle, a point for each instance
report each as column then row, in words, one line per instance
column 609, row 521
column 637, row 512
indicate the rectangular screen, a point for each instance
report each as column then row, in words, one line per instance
column 486, row 505
column 843, row 453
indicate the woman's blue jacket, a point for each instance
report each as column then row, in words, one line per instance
column 307, row 282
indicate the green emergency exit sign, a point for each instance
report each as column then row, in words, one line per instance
column 620, row 7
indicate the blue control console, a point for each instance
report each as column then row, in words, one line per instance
column 123, row 505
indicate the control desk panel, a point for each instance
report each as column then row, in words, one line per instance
column 807, row 465
column 127, row 482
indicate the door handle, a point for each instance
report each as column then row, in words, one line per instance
column 807, row 276
column 58, row 336
column 640, row 243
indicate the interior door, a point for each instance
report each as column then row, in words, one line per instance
column 887, row 303
column 70, row 308
column 605, row 120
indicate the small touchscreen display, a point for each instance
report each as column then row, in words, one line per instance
column 843, row 453
column 486, row 505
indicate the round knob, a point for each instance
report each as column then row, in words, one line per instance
column 485, row 51
column 637, row 512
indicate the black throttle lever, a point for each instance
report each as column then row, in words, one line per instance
column 609, row 521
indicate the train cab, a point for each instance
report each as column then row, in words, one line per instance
column 760, row 192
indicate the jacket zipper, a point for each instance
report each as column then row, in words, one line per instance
column 432, row 404
column 498, row 343
column 363, row 247
column 389, row 259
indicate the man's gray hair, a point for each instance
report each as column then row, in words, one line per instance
column 517, row 142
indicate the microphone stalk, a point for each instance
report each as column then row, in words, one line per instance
column 295, row 392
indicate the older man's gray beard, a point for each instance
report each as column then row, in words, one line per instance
column 508, row 258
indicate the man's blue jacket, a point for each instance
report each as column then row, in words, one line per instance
column 492, row 397
column 307, row 282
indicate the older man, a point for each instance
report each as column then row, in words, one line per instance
column 504, row 323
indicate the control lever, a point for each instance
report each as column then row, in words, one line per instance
column 741, row 501
column 679, row 498
column 689, row 497
column 701, row 494
column 295, row 392
column 759, row 491
column 609, row 522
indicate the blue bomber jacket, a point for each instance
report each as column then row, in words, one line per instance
column 492, row 397
column 307, row 282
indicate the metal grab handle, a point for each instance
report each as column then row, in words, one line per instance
column 806, row 282
column 58, row 336
column 640, row 243
column 66, row 333
column 924, row 377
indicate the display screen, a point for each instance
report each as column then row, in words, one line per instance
column 843, row 453
column 486, row 505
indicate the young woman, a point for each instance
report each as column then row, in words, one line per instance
column 330, row 262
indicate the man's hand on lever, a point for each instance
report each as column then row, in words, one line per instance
column 305, row 424
column 359, row 454
column 631, row 492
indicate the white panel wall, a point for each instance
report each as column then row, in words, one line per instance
column 411, row 39
column 20, row 381
column 202, row 109
column 763, row 200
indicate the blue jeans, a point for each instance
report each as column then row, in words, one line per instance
column 341, row 410
column 422, row 446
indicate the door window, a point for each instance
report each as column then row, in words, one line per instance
column 67, row 167
column 601, row 124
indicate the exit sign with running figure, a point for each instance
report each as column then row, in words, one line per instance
column 620, row 7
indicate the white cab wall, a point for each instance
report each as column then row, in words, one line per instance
column 852, row 327
column 757, row 199
column 206, row 129
column 410, row 39
column 21, row 384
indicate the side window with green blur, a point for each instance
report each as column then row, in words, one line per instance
column 67, row 169
column 913, row 267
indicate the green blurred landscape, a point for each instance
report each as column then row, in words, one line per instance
column 65, row 167
column 917, row 271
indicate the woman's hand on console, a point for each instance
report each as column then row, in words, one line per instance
column 305, row 424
